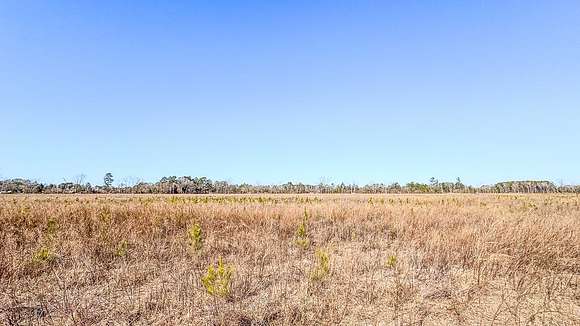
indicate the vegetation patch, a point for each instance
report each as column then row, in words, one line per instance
column 217, row 280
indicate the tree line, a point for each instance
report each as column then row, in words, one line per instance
column 203, row 185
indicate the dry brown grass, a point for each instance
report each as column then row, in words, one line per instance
column 396, row 259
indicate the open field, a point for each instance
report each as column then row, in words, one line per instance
column 311, row 259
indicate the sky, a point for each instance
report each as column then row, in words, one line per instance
column 275, row 91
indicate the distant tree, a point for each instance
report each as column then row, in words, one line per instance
column 394, row 187
column 108, row 180
column 459, row 184
column 203, row 185
column 415, row 187
column 434, row 182
column 79, row 179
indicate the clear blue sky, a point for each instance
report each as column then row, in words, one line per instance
column 276, row 91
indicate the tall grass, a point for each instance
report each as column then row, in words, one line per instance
column 394, row 259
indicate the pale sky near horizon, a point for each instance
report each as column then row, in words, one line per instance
column 276, row 91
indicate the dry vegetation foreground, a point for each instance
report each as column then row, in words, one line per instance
column 286, row 260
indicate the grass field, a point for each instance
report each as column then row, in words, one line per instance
column 287, row 259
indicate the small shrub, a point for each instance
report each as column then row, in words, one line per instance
column 322, row 267
column 391, row 261
column 195, row 237
column 105, row 215
column 42, row 255
column 122, row 249
column 301, row 233
column 217, row 280
column 51, row 227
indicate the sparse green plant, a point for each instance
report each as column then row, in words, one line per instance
column 322, row 267
column 217, row 280
column 43, row 255
column 122, row 248
column 51, row 227
column 302, row 234
column 195, row 236
column 105, row 214
column 391, row 261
